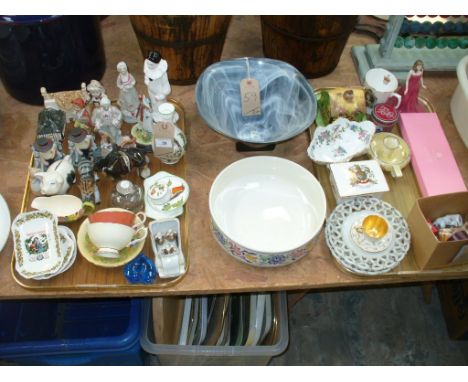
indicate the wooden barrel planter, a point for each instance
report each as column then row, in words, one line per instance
column 313, row 44
column 188, row 43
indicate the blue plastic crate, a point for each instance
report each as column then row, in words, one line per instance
column 71, row 332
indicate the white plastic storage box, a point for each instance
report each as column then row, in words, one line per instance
column 174, row 355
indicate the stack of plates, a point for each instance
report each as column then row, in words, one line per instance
column 43, row 249
column 220, row 320
column 349, row 254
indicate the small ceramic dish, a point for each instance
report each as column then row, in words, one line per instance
column 167, row 247
column 391, row 152
column 36, row 244
column 340, row 141
column 168, row 204
column 67, row 208
column 89, row 251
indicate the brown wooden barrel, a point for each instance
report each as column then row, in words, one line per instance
column 188, row 43
column 313, row 44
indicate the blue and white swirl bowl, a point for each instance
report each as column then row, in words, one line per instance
column 266, row 211
column 288, row 103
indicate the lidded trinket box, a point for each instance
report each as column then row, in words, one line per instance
column 357, row 178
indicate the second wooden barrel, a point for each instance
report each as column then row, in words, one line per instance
column 188, row 43
column 313, row 44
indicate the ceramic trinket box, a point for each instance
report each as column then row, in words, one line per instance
column 167, row 247
column 357, row 178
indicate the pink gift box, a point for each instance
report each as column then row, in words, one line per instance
column 433, row 162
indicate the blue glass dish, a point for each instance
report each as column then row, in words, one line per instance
column 140, row 270
column 288, row 103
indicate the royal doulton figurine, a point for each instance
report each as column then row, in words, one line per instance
column 409, row 102
column 129, row 101
column 81, row 116
column 96, row 92
column 107, row 120
column 155, row 70
column 46, row 151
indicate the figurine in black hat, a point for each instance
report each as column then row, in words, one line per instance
column 81, row 145
column 45, row 152
column 155, row 70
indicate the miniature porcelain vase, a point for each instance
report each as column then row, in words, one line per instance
column 166, row 113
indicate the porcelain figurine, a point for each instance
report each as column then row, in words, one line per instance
column 129, row 101
column 56, row 180
column 45, row 152
column 155, row 70
column 143, row 130
column 81, row 145
column 414, row 81
column 107, row 120
column 82, row 117
column 96, row 92
column 121, row 160
column 90, row 194
column 63, row 100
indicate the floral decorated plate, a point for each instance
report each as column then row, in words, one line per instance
column 5, row 221
column 340, row 141
column 36, row 244
column 351, row 256
column 171, row 207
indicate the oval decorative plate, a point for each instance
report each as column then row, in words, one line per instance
column 351, row 256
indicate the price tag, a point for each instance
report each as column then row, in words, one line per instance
column 250, row 97
column 163, row 142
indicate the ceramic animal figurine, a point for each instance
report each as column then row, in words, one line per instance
column 129, row 101
column 120, row 161
column 155, row 70
column 96, row 92
column 63, row 100
column 414, row 81
column 107, row 121
column 56, row 180
column 45, row 152
column 90, row 194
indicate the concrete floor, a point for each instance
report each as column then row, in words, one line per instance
column 385, row 326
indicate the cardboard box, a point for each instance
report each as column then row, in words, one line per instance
column 453, row 297
column 429, row 252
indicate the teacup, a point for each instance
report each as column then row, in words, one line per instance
column 114, row 229
column 374, row 227
column 383, row 84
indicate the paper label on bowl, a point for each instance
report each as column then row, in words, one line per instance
column 163, row 142
column 250, row 97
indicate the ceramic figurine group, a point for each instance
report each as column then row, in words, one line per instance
column 95, row 143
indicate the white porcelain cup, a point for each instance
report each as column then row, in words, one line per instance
column 383, row 84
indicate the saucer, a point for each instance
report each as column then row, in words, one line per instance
column 88, row 250
column 173, row 207
column 353, row 257
column 366, row 243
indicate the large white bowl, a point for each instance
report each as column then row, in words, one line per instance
column 266, row 211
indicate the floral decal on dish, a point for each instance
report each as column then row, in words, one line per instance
column 258, row 259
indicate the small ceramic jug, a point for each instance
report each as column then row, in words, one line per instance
column 383, row 84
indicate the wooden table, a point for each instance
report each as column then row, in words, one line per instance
column 211, row 270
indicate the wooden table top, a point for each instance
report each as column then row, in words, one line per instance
column 212, row 270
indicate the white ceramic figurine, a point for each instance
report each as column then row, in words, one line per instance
column 128, row 97
column 155, row 69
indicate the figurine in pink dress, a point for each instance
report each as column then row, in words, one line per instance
column 409, row 102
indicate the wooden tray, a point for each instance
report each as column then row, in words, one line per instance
column 402, row 195
column 83, row 275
